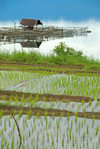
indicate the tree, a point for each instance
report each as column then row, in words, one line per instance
column 63, row 50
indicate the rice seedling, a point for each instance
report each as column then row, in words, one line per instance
column 50, row 131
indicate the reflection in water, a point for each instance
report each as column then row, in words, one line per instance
column 50, row 132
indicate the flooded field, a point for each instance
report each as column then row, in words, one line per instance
column 46, row 110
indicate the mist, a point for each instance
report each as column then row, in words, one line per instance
column 89, row 45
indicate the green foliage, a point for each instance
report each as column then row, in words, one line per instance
column 63, row 50
column 62, row 55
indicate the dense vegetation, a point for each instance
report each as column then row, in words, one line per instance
column 62, row 55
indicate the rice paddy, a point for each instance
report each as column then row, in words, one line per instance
column 52, row 110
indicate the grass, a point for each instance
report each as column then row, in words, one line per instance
column 62, row 55
column 50, row 131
